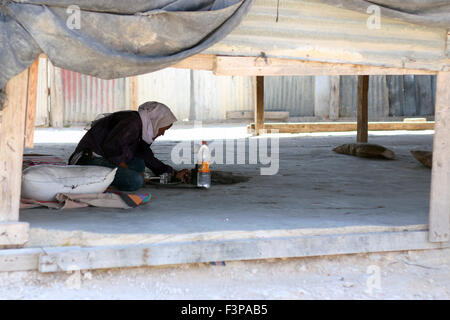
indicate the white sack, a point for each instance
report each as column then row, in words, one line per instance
column 43, row 182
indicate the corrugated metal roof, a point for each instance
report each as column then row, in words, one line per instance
column 309, row 30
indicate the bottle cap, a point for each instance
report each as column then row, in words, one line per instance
column 203, row 142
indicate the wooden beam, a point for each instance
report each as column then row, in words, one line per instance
column 259, row 104
column 79, row 258
column 362, row 112
column 308, row 127
column 31, row 103
column 24, row 259
column 51, row 259
column 13, row 233
column 250, row 115
column 197, row 62
column 11, row 146
column 256, row 66
column 134, row 93
column 439, row 224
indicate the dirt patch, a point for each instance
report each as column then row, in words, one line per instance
column 412, row 275
column 223, row 177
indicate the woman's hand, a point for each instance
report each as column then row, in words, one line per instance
column 123, row 165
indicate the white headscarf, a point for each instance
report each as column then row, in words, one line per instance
column 154, row 116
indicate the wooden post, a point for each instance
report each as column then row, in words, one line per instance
column 31, row 104
column 134, row 93
column 439, row 224
column 259, row 104
column 335, row 97
column 12, row 232
column 363, row 104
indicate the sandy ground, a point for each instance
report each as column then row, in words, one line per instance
column 401, row 275
column 405, row 275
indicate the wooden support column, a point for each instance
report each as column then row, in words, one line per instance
column 363, row 104
column 259, row 104
column 439, row 224
column 335, row 94
column 31, row 103
column 12, row 232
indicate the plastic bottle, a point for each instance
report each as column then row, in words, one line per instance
column 203, row 170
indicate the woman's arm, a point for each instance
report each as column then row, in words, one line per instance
column 151, row 162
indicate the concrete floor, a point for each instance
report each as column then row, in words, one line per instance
column 315, row 191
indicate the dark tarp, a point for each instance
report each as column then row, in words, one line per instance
column 116, row 38
column 432, row 13
column 119, row 38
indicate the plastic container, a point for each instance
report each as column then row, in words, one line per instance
column 164, row 178
column 203, row 169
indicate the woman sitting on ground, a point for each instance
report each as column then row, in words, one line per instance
column 122, row 139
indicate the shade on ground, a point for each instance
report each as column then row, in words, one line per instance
column 315, row 191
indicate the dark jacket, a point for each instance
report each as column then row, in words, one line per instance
column 118, row 138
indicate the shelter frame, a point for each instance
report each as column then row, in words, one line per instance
column 17, row 124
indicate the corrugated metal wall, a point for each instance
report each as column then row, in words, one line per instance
column 84, row 96
column 411, row 95
column 407, row 95
column 169, row 86
column 200, row 95
column 378, row 97
column 293, row 94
